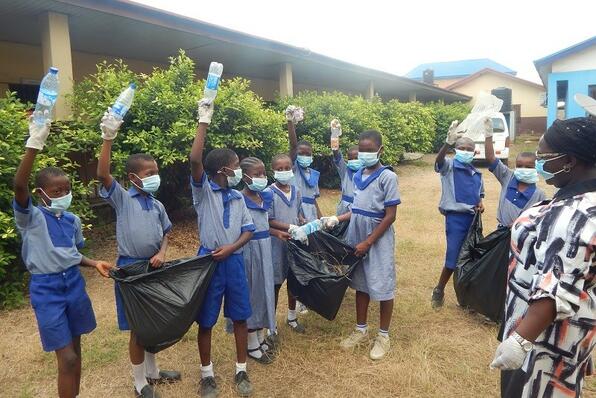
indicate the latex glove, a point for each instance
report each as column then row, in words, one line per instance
column 300, row 235
column 452, row 134
column 335, row 134
column 294, row 114
column 329, row 222
column 205, row 111
column 509, row 355
column 109, row 126
column 38, row 134
column 292, row 228
column 487, row 127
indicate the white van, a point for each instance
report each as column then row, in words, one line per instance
column 500, row 140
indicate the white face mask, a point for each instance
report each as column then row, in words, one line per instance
column 235, row 179
column 283, row 177
column 58, row 205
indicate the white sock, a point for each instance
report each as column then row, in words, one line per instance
column 362, row 328
column 138, row 372
column 261, row 337
column 253, row 344
column 383, row 333
column 291, row 315
column 151, row 369
column 240, row 367
column 207, row 371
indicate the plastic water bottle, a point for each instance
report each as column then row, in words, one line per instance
column 215, row 71
column 46, row 99
column 123, row 102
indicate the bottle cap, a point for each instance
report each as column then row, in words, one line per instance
column 53, row 70
column 133, row 85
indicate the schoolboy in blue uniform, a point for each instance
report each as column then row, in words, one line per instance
column 461, row 196
column 519, row 191
column 52, row 237
column 142, row 225
column 225, row 226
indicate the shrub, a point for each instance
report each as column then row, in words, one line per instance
column 444, row 114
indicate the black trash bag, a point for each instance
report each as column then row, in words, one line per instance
column 480, row 278
column 319, row 273
column 340, row 230
column 162, row 303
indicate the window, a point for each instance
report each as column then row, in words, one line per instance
column 562, row 87
column 592, row 90
column 498, row 125
column 25, row 92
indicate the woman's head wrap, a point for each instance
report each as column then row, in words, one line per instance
column 575, row 137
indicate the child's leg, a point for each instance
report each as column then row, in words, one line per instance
column 386, row 313
column 291, row 301
column 241, row 337
column 68, row 371
column 204, row 342
column 76, row 344
column 444, row 278
column 362, row 301
column 137, row 359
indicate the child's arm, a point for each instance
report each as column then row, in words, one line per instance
column 452, row 136
column 205, row 111
column 101, row 266
column 293, row 116
column 319, row 214
column 109, row 130
column 278, row 225
column 441, row 155
column 160, row 257
column 489, row 150
column 363, row 247
column 279, row 233
column 225, row 251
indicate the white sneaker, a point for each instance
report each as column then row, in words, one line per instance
column 380, row 348
column 302, row 309
column 354, row 339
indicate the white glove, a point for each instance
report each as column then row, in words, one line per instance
column 205, row 111
column 452, row 134
column 509, row 355
column 109, row 126
column 335, row 133
column 294, row 114
column 329, row 222
column 487, row 127
column 38, row 134
column 300, row 235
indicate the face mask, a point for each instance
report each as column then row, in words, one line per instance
column 258, row 184
column 529, row 176
column 58, row 205
column 150, row 184
column 354, row 164
column 547, row 175
column 465, row 157
column 304, row 161
column 368, row 159
column 283, row 177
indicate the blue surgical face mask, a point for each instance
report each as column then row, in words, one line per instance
column 465, row 157
column 150, row 184
column 529, row 176
column 235, row 179
column 304, row 161
column 58, row 205
column 354, row 164
column 284, row 177
column 368, row 159
column 258, row 184
column 547, row 175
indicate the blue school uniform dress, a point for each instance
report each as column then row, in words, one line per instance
column 222, row 217
column 372, row 194
column 141, row 224
column 307, row 182
column 50, row 252
column 512, row 201
column 258, row 264
column 462, row 189
column 346, row 176
column 286, row 210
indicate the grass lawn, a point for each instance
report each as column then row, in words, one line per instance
column 442, row 353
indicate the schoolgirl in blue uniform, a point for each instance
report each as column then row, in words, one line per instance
column 225, row 226
column 51, row 240
column 346, row 171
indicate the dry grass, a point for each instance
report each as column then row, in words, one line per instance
column 434, row 354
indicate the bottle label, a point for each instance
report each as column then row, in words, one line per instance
column 46, row 99
column 119, row 109
column 212, row 82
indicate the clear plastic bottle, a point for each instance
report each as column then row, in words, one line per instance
column 46, row 99
column 124, row 101
column 212, row 83
column 335, row 133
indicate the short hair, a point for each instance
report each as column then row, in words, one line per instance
column 133, row 163
column 281, row 156
column 43, row 175
column 248, row 163
column 372, row 135
column 526, row 155
column 464, row 141
column 305, row 143
column 353, row 148
column 218, row 158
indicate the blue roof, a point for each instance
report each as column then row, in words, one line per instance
column 453, row 69
column 565, row 52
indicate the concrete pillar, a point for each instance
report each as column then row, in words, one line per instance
column 286, row 81
column 412, row 96
column 370, row 90
column 55, row 43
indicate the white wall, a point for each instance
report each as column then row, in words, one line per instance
column 582, row 60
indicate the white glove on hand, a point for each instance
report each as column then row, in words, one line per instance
column 299, row 234
column 335, row 134
column 487, row 127
column 38, row 134
column 329, row 222
column 205, row 111
column 294, row 114
column 452, row 134
column 509, row 355
column 109, row 126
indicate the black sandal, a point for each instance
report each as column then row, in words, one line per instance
column 265, row 359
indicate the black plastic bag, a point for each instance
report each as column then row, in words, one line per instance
column 319, row 273
column 162, row 303
column 340, row 230
column 480, row 279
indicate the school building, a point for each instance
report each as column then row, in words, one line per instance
column 75, row 35
column 565, row 73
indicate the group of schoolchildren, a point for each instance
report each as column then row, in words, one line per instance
column 245, row 233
